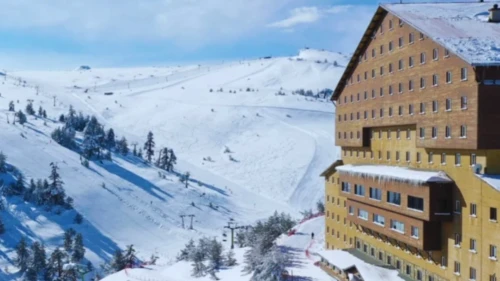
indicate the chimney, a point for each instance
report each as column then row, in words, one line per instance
column 494, row 14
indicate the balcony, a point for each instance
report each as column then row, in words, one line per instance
column 411, row 231
column 421, row 195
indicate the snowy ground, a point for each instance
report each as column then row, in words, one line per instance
column 280, row 144
column 301, row 267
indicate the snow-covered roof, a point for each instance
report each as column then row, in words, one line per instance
column 493, row 180
column 344, row 260
column 394, row 173
column 462, row 28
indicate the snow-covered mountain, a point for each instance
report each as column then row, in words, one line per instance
column 250, row 144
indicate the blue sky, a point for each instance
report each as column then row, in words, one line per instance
column 60, row 34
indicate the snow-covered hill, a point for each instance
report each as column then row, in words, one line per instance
column 278, row 146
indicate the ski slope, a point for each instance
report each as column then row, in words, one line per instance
column 279, row 145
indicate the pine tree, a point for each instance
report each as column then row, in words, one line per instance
column 320, row 206
column 30, row 275
column 215, row 254
column 68, row 239
column 29, row 108
column 199, row 268
column 12, row 106
column 185, row 178
column 44, row 114
column 2, row 227
column 122, row 146
column 3, row 162
column 21, row 118
column 188, row 251
column 39, row 256
column 230, row 260
column 57, row 193
column 78, row 249
column 149, row 146
column 110, row 139
column 17, row 188
column 118, row 262
column 22, row 255
column 163, row 158
column 40, row 111
column 56, row 263
column 172, row 160
column 78, row 218
column 129, row 256
column 134, row 151
column 93, row 138
column 139, row 153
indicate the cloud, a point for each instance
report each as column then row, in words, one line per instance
column 308, row 15
column 299, row 16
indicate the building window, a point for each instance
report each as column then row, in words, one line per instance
column 493, row 252
column 435, row 79
column 388, row 259
column 366, row 114
column 422, row 82
column 463, row 131
column 391, row 90
column 380, row 155
column 381, row 70
column 378, row 219
column 373, row 113
column 410, row 62
column 411, row 38
column 448, row 104
column 400, row 88
column 391, row 47
column 390, row 111
column 447, row 132
column 401, row 64
column 381, row 113
column 434, row 132
column 472, row 274
column 422, row 58
column 458, row 240
column 463, row 102
column 375, row 193
column 359, row 190
column 473, row 159
column 431, row 157
column 373, row 52
column 458, row 159
column 443, row 158
column 400, row 42
column 373, row 73
column 435, row 54
column 446, row 53
column 473, row 245
column 398, row 226
column 350, row 135
column 351, row 210
column 422, row 108
column 463, row 73
column 448, row 77
column 381, row 91
column 458, row 206
column 366, row 75
column 410, row 85
column 443, row 261
column 365, row 95
column 358, row 134
column 398, row 134
column 346, row 187
column 415, row 203
column 414, row 232
column 422, row 132
column 493, row 214
column 390, row 68
column 456, row 268
column 493, row 277
column 357, row 115
column 362, row 214
column 358, row 97
column 373, row 93
column 408, row 134
column 388, row 155
column 381, row 49
column 390, row 25
column 397, row 156
column 473, row 209
column 434, row 106
column 421, row 38
column 394, row 197
column 400, row 110
column 410, row 109
column 419, row 158
column 400, row 23
column 407, row 156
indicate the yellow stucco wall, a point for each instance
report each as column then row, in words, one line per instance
column 471, row 190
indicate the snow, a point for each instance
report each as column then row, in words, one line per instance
column 493, row 180
column 280, row 144
column 461, row 27
column 345, row 260
column 301, row 267
column 394, row 173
